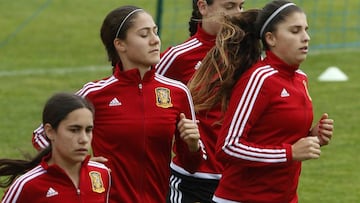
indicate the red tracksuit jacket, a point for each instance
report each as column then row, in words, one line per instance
column 50, row 183
column 134, row 126
column 180, row 63
column 270, row 109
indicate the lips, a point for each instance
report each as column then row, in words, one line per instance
column 304, row 49
column 154, row 51
column 83, row 150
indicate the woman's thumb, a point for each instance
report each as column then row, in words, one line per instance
column 324, row 116
column 182, row 116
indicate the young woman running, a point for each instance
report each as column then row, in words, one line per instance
column 138, row 112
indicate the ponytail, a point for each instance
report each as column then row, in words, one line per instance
column 237, row 49
column 12, row 168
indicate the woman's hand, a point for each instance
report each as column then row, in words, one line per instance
column 323, row 129
column 100, row 159
column 306, row 148
column 189, row 132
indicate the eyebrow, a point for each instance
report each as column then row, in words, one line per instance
column 149, row 28
column 299, row 26
column 75, row 126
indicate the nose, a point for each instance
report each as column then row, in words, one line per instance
column 85, row 137
column 155, row 39
column 306, row 37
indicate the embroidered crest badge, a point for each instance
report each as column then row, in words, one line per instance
column 96, row 182
column 163, row 98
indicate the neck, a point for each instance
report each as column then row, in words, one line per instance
column 142, row 68
column 210, row 27
column 143, row 71
column 71, row 169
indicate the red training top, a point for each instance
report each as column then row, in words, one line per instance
column 50, row 183
column 180, row 63
column 134, row 126
column 269, row 110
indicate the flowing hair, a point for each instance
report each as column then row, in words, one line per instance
column 237, row 48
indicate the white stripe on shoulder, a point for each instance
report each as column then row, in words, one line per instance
column 98, row 165
column 94, row 86
column 301, row 72
column 170, row 81
column 40, row 137
column 169, row 57
column 178, row 84
column 15, row 189
column 232, row 145
column 41, row 141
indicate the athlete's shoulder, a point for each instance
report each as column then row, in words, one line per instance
column 96, row 85
column 176, row 53
column 261, row 71
column 175, row 84
column 256, row 77
column 32, row 174
column 25, row 181
column 182, row 48
column 97, row 165
column 300, row 72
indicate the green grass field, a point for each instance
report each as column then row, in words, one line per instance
column 51, row 46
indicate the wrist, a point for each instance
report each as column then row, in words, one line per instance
column 313, row 131
column 194, row 148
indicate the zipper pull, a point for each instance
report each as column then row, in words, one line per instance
column 140, row 88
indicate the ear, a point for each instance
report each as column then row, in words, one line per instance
column 202, row 5
column 49, row 131
column 119, row 45
column 270, row 39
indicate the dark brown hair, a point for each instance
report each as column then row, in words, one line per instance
column 110, row 27
column 266, row 12
column 196, row 16
column 55, row 110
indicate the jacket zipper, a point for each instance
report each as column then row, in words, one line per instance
column 141, row 181
column 79, row 194
column 140, row 86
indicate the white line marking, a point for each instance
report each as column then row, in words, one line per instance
column 53, row 71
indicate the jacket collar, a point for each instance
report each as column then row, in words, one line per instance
column 279, row 64
column 204, row 36
column 132, row 75
column 54, row 168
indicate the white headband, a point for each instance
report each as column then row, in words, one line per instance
column 273, row 16
column 122, row 23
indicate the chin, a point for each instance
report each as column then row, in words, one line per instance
column 301, row 59
column 155, row 61
column 79, row 158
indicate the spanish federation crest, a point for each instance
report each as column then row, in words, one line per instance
column 96, row 182
column 163, row 98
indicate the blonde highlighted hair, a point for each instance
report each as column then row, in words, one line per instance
column 237, row 49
